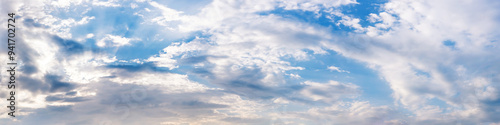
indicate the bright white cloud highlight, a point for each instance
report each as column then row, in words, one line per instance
column 334, row 68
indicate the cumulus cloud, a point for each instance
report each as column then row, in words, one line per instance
column 334, row 68
column 114, row 41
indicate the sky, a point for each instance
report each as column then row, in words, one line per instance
column 255, row 62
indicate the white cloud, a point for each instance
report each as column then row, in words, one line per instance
column 334, row 68
column 133, row 5
column 170, row 82
column 313, row 5
column 109, row 3
column 348, row 113
column 90, row 35
column 295, row 76
column 65, row 3
column 351, row 22
column 114, row 41
column 281, row 101
column 165, row 59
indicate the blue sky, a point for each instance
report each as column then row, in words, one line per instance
column 207, row 62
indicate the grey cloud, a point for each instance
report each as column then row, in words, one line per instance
column 55, row 84
column 138, row 67
column 122, row 103
column 65, row 99
column 68, row 46
column 31, row 23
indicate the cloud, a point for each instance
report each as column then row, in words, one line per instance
column 57, row 85
column 346, row 113
column 109, row 3
column 116, row 103
column 333, row 68
column 329, row 92
column 65, row 3
column 314, row 5
column 114, row 41
column 90, row 35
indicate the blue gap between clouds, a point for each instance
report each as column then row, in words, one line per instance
column 373, row 88
column 450, row 44
column 360, row 11
column 308, row 17
column 363, row 10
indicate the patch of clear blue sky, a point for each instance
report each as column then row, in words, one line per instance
column 375, row 89
column 449, row 43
